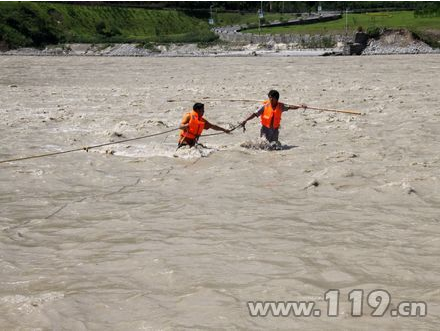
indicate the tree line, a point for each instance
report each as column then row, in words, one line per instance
column 268, row 6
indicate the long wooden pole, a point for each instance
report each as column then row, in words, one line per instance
column 206, row 99
column 352, row 112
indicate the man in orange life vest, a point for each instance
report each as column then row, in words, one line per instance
column 270, row 114
column 193, row 124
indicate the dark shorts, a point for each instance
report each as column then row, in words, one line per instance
column 269, row 134
column 187, row 142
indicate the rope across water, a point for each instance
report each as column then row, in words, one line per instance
column 87, row 147
column 161, row 133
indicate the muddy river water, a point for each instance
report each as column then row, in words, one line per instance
column 137, row 236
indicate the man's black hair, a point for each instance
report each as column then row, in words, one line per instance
column 274, row 94
column 198, row 106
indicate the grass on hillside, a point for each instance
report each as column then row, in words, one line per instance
column 38, row 24
column 394, row 20
column 223, row 19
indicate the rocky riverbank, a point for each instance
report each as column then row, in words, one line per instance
column 397, row 42
column 391, row 42
column 170, row 50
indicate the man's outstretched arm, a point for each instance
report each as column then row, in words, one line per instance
column 252, row 116
column 296, row 106
column 215, row 127
column 248, row 119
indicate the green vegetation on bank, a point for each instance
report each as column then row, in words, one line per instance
column 203, row 7
column 427, row 27
column 393, row 20
column 223, row 19
column 39, row 24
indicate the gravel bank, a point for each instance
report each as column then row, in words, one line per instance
column 171, row 50
column 392, row 42
column 398, row 42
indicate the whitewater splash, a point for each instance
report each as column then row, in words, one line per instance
column 264, row 145
column 197, row 151
column 185, row 152
column 170, row 150
column 161, row 150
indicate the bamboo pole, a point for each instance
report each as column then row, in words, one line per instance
column 352, row 112
column 213, row 100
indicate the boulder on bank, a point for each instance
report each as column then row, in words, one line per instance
column 397, row 42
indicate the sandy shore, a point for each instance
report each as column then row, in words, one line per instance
column 145, row 240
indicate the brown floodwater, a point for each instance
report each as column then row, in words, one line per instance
column 139, row 236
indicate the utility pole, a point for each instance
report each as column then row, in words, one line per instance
column 346, row 21
column 260, row 16
column 211, row 20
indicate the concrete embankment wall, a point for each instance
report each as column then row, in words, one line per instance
column 282, row 38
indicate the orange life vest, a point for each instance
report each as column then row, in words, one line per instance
column 195, row 126
column 272, row 116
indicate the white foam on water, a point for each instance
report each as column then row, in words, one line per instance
column 194, row 152
column 264, row 145
column 51, row 147
column 28, row 304
column 161, row 149
column 66, row 129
